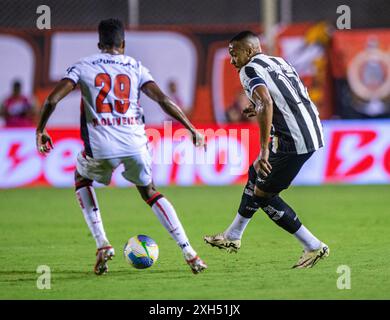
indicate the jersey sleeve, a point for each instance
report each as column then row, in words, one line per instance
column 252, row 79
column 144, row 75
column 73, row 73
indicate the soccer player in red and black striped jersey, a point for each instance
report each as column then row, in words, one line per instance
column 113, row 132
column 290, row 131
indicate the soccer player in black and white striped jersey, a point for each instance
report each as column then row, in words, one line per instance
column 290, row 132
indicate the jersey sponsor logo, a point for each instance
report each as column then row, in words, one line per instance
column 285, row 68
column 107, row 61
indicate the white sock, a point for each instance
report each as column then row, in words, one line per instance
column 306, row 238
column 90, row 208
column 237, row 228
column 169, row 219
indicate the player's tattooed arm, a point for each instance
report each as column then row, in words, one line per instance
column 43, row 140
column 264, row 113
column 152, row 90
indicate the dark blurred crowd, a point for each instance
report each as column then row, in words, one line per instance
column 18, row 110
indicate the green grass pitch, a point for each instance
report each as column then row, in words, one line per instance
column 43, row 226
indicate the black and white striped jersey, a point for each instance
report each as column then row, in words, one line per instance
column 296, row 123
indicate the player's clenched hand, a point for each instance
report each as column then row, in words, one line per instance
column 249, row 111
column 44, row 142
column 199, row 140
column 265, row 166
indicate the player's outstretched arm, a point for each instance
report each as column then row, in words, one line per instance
column 152, row 90
column 264, row 110
column 43, row 140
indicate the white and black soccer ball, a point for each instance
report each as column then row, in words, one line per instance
column 141, row 251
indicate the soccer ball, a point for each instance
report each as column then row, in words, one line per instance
column 141, row 251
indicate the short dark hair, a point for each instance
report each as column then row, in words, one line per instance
column 16, row 84
column 111, row 33
column 243, row 35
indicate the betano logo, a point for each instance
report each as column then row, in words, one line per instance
column 175, row 159
column 355, row 152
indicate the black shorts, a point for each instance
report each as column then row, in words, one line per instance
column 285, row 167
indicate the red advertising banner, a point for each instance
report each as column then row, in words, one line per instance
column 230, row 149
column 355, row 152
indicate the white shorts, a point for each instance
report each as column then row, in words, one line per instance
column 138, row 168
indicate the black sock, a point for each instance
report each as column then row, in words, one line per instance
column 280, row 212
